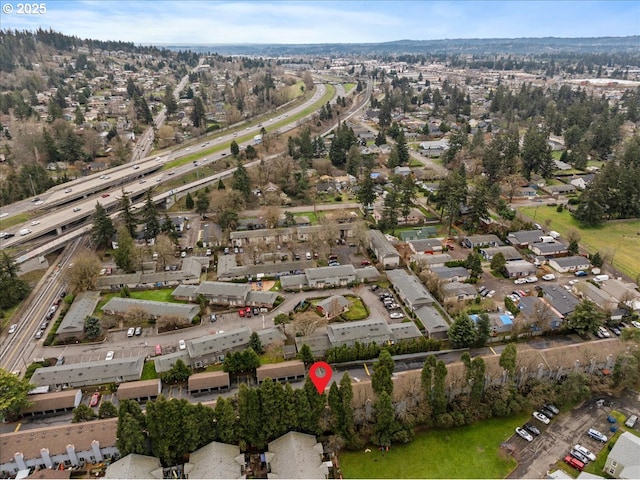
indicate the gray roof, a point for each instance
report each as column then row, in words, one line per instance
column 218, row 343
column 524, row 237
column 185, row 291
column 297, row 455
column 135, row 466
column 382, row 245
column 432, row 320
column 482, row 239
column 90, row 373
column 293, row 281
column 153, row 308
column 83, row 306
column 363, row 331
column 509, row 252
column 215, row 460
column 559, row 298
column 574, row 261
column 163, row 363
column 190, row 271
column 224, row 289
column 321, row 273
column 549, row 248
column 261, row 298
column 404, row 331
column 367, row 273
column 450, row 272
column 269, row 336
column 409, row 287
column 626, row 450
column 596, row 295
column 327, row 303
column 318, row 342
column 429, row 259
column 520, row 266
column 457, row 288
column 531, row 306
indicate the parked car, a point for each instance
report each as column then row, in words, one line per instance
column 241, row 312
column 605, row 333
column 542, row 417
column 574, row 462
column 109, row 355
column 584, row 451
column 247, row 312
column 579, row 456
column 553, row 408
column 548, row 277
column 182, row 345
column 581, row 273
column 95, row 399
column 131, row 332
column 138, row 331
column 491, row 294
column 631, row 421
column 524, row 434
column 532, row 279
column 635, row 323
column 396, row 315
column 520, row 281
column 546, row 412
column 616, row 331
column 597, row 435
column 532, row 428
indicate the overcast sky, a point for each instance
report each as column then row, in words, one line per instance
column 280, row 21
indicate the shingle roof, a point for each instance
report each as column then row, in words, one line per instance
column 330, row 272
column 261, row 298
column 164, row 363
column 523, row 237
column 509, row 252
column 156, row 309
column 626, row 450
column 134, row 466
column 328, row 303
column 363, row 331
column 218, row 343
column 215, row 460
column 200, row 381
column 574, row 261
column 185, row 291
column 404, row 330
column 382, row 245
column 224, row 289
column 432, row 320
column 450, row 272
column 280, row 370
column 560, row 299
column 90, row 373
column 139, row 389
column 409, row 287
column 520, row 266
column 297, row 455
column 293, row 281
column 269, row 336
column 53, row 401
column 83, row 306
column 549, row 248
column 318, row 342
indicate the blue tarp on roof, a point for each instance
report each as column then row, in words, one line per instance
column 506, row 320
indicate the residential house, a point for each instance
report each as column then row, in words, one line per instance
column 296, row 455
column 333, row 306
column 561, row 189
column 569, row 264
column 473, row 241
column 523, row 238
column 363, row 331
column 86, row 374
column 458, row 291
column 223, row 293
column 435, row 326
column 404, row 331
column 322, row 277
column 500, row 323
column 510, row 253
column 154, row 310
column 539, row 313
column 83, row 306
column 431, row 261
column 549, row 249
column 402, row 171
column 451, row 274
column 208, row 382
column 559, row 298
column 410, row 290
column 291, row 371
column 211, row 349
column 385, row 253
column 622, row 291
column 623, row 460
column 434, row 148
column 588, row 291
column 519, row 268
column 141, row 390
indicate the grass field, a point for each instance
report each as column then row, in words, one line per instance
column 618, row 238
column 467, row 452
column 357, row 310
column 13, row 221
column 149, row 371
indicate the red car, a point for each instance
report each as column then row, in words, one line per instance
column 241, row 312
column 95, row 399
column 247, row 312
column 105, row 195
column 365, row 263
column 574, row 462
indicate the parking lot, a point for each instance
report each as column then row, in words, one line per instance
column 538, row 457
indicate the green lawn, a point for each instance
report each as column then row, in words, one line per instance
column 149, row 371
column 13, row 220
column 618, row 238
column 357, row 310
column 467, row 452
column 348, row 87
column 415, row 163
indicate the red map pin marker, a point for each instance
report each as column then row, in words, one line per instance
column 320, row 373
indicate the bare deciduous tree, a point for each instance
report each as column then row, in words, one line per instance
column 308, row 322
column 82, row 276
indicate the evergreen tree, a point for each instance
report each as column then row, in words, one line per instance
column 366, row 194
column 439, row 394
column 226, row 423
column 130, row 437
column 189, row 203
column 474, row 264
column 478, row 206
column 508, row 359
column 150, row 217
column 483, row 330
column 241, row 181
column 498, row 262
column 462, row 333
column 128, row 217
column 305, row 354
column 123, row 255
column 234, row 148
column 198, row 113
column 170, row 101
column 381, row 139
column 407, row 196
column 347, row 423
column 102, row 230
column 255, row 343
column 402, row 149
column 202, row 204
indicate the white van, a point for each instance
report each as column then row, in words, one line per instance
column 24, row 231
column 631, row 421
column 308, row 255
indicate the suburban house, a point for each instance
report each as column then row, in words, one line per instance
column 588, row 291
column 410, row 290
column 72, row 325
column 434, row 148
column 333, row 306
column 427, row 245
column 623, row 460
column 569, row 264
column 323, row 277
column 211, row 349
column 154, row 310
column 208, row 382
column 539, row 313
column 291, row 371
column 86, row 374
column 458, row 291
column 559, row 298
column 363, row 331
column 500, row 323
column 386, row 254
column 451, row 274
column 435, row 326
column 622, row 291
column 473, row 241
column 510, row 253
column 523, row 238
column 189, row 273
column 68, row 444
column 561, row 189
column 141, row 390
column 226, row 293
column 549, row 249
column 296, row 455
column 519, row 268
column 426, row 260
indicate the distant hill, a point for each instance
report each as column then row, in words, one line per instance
column 480, row 46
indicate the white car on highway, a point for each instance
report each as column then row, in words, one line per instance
column 13, row 328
